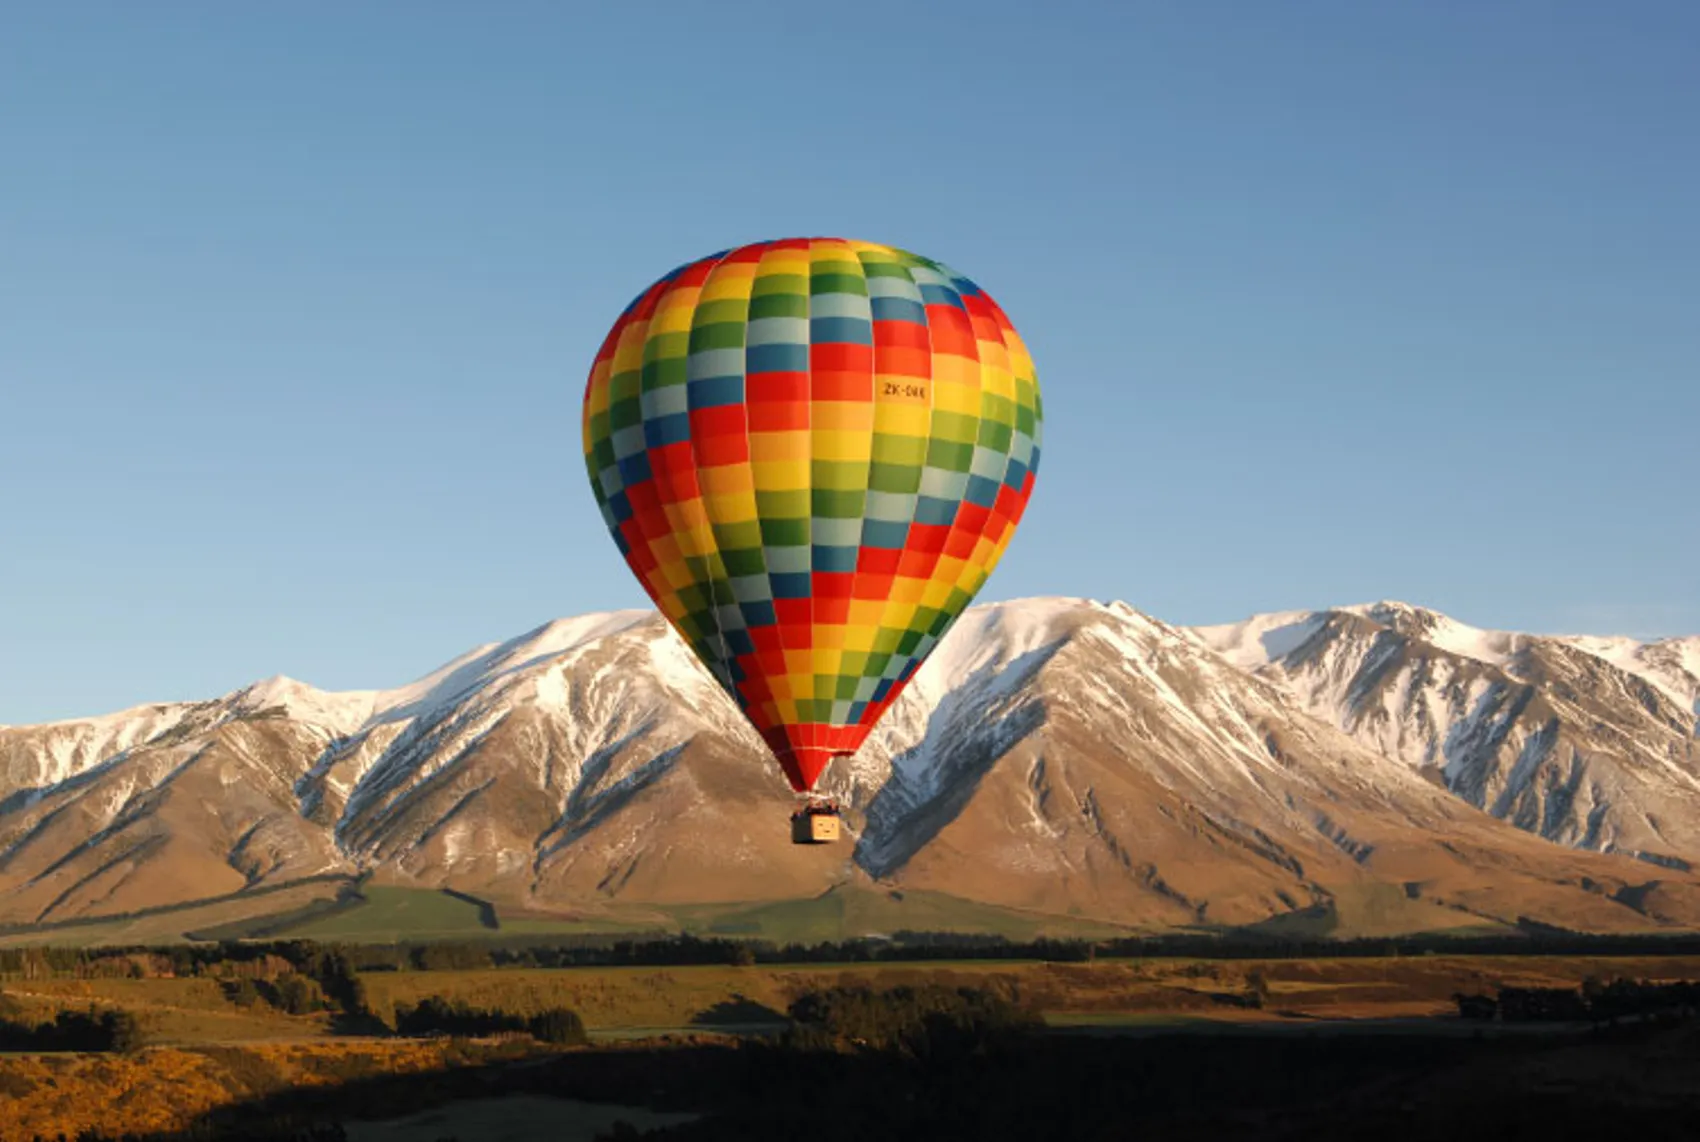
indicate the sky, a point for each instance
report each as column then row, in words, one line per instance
column 1330, row 302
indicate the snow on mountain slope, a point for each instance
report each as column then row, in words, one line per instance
column 1587, row 742
column 32, row 756
column 350, row 711
column 1054, row 754
column 179, row 800
column 1260, row 639
column 1672, row 664
column 405, row 729
column 1099, row 763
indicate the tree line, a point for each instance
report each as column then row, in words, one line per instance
column 1595, row 1001
column 336, row 967
column 435, row 1015
column 69, row 1030
column 913, row 1021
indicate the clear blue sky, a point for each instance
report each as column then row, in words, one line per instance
column 1331, row 301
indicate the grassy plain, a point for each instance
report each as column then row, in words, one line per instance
column 345, row 910
column 389, row 914
column 171, row 925
column 336, row 909
column 846, row 912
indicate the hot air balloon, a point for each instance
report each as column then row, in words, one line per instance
column 812, row 453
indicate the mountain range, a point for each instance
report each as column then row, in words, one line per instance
column 1359, row 770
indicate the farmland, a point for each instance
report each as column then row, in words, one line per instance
column 211, row 1051
column 617, row 1001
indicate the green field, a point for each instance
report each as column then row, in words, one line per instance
column 846, row 913
column 342, row 909
column 388, row 915
column 178, row 923
column 373, row 914
column 352, row 912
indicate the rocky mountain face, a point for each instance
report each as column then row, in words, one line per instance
column 1381, row 766
column 1591, row 743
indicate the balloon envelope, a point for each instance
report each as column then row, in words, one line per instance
column 812, row 453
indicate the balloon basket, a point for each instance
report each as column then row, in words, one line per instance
column 816, row 823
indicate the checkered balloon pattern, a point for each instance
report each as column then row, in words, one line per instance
column 812, row 452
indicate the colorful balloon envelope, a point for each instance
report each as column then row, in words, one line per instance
column 812, row 453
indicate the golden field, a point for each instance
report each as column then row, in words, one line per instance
column 166, row 1088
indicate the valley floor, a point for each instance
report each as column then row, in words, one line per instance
column 1159, row 1047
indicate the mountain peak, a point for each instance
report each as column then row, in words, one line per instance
column 1388, row 607
column 1439, row 630
column 339, row 712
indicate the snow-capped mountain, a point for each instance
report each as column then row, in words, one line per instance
column 1058, row 755
column 1589, row 742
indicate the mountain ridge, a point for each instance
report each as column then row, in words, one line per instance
column 1381, row 762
